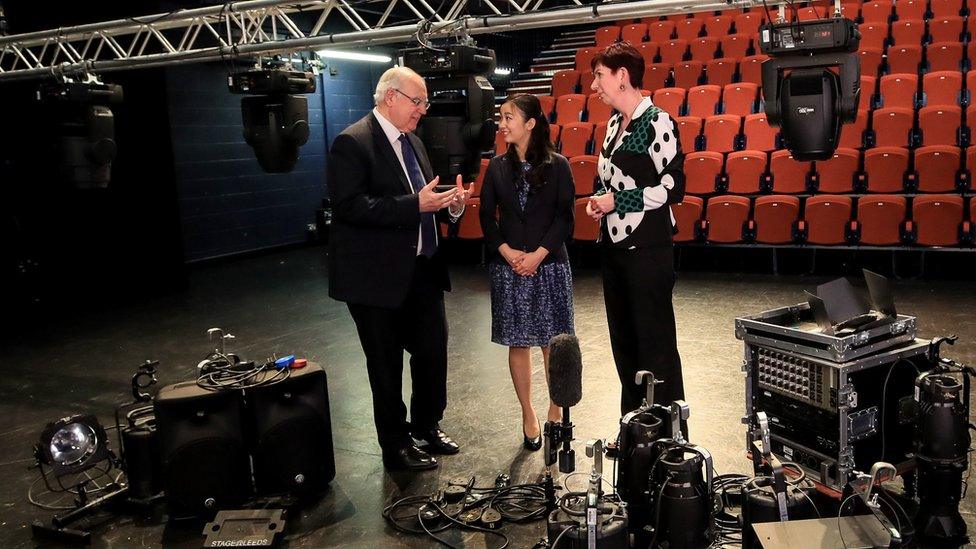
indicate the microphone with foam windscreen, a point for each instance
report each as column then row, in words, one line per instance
column 565, row 391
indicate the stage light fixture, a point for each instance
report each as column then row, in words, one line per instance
column 72, row 445
column 462, row 103
column 84, row 128
column 811, row 83
column 275, row 118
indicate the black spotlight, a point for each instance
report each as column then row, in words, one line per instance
column 85, row 129
column 72, row 445
column 462, row 103
column 811, row 83
column 275, row 119
column 941, row 450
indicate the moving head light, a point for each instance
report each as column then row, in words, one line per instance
column 811, row 83
column 275, row 118
column 84, row 125
column 459, row 124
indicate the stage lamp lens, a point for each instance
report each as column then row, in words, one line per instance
column 73, row 444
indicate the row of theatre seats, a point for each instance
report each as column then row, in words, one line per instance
column 911, row 136
column 827, row 220
column 822, row 219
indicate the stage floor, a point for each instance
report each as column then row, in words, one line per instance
column 278, row 303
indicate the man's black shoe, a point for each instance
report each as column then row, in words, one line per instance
column 409, row 458
column 436, row 441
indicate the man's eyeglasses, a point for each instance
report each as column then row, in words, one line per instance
column 417, row 102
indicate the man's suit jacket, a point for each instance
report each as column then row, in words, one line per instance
column 548, row 216
column 376, row 218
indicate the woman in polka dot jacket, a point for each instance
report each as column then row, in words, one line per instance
column 640, row 171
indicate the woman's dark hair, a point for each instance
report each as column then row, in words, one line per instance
column 540, row 150
column 622, row 54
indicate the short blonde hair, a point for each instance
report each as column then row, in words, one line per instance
column 392, row 78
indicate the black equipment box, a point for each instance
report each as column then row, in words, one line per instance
column 793, row 329
column 271, row 81
column 834, row 418
column 819, row 36
column 456, row 59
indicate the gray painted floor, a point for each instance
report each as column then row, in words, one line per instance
column 278, row 303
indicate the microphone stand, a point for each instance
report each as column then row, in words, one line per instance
column 556, row 434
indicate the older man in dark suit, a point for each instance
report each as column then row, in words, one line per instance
column 384, row 263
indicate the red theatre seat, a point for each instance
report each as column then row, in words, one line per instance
column 836, row 175
column 736, row 45
column 740, row 98
column 789, row 175
column 703, row 100
column 852, row 135
column 575, row 138
column 775, row 218
column 939, row 125
column 893, row 126
column 604, row 36
column 720, row 132
column 759, row 135
column 564, row 82
column 904, row 58
column 469, row 226
column 635, row 34
column 720, row 71
column 726, row 217
column 937, row 219
column 827, row 218
column 660, row 31
column 583, row 58
column 881, row 218
column 689, row 128
column 702, row 170
column 596, row 110
column 584, row 173
column 946, row 29
column 569, row 108
column 884, row 168
column 585, row 228
column 750, row 68
column 673, row 51
column 748, row 23
column 656, row 76
column 876, row 12
column 942, row 88
column 908, row 31
column 687, row 214
column 898, row 90
column 689, row 29
column 937, row 167
column 719, row 25
column 944, row 56
column 648, row 51
column 599, row 136
column 911, row 9
column 687, row 74
column 745, row 170
column 670, row 100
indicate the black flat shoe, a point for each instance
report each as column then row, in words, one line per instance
column 436, row 441
column 409, row 458
column 532, row 444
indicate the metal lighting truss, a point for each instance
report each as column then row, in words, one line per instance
column 262, row 27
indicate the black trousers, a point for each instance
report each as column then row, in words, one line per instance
column 637, row 287
column 419, row 327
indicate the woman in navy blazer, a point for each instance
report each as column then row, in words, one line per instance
column 531, row 188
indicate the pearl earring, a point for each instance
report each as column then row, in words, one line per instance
column 621, row 87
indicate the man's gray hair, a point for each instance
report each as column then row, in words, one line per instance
column 392, row 78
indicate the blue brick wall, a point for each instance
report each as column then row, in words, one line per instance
column 228, row 205
column 348, row 92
